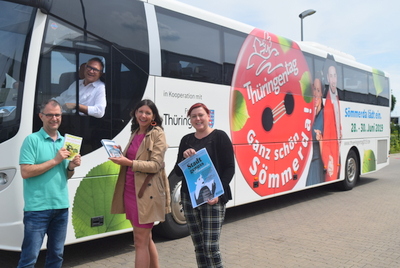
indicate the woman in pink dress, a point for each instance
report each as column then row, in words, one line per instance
column 143, row 155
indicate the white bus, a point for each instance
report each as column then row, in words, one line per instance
column 258, row 85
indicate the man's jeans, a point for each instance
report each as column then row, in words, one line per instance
column 52, row 222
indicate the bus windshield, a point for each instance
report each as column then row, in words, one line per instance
column 15, row 26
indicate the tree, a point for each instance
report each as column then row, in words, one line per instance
column 393, row 103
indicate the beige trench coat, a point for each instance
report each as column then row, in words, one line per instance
column 155, row 202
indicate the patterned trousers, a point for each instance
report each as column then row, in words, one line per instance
column 205, row 223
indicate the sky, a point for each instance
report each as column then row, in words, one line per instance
column 368, row 30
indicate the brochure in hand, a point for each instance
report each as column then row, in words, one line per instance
column 72, row 144
column 201, row 177
column 112, row 148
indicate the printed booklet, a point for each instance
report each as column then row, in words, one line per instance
column 201, row 177
column 112, row 148
column 72, row 144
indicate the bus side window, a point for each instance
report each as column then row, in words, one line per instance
column 66, row 79
column 200, row 58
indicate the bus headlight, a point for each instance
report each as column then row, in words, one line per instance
column 6, row 177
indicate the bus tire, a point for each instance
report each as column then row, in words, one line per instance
column 352, row 172
column 174, row 226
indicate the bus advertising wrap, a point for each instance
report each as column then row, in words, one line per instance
column 272, row 115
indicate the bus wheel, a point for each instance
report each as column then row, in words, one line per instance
column 352, row 172
column 174, row 225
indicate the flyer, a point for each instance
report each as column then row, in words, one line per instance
column 112, row 148
column 202, row 178
column 72, row 144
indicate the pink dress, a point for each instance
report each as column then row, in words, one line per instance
column 129, row 190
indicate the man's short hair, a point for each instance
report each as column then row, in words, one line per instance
column 53, row 102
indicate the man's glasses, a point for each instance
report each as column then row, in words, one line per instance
column 51, row 115
column 90, row 68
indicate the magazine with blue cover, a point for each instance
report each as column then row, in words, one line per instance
column 202, row 178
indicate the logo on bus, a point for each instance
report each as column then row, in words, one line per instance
column 271, row 113
column 212, row 118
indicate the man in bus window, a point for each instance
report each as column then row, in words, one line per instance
column 92, row 91
column 45, row 171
